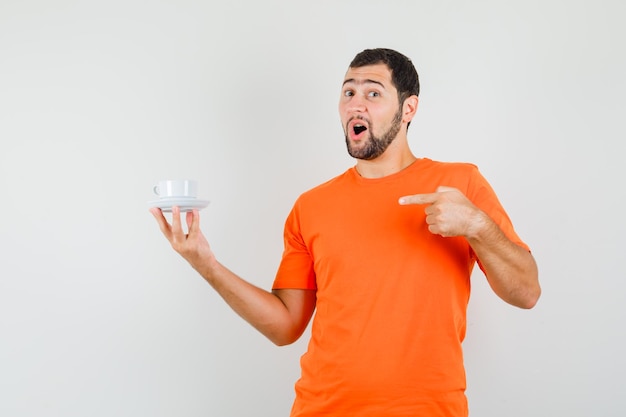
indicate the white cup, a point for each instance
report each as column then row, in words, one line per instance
column 176, row 188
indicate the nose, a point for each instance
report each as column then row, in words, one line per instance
column 356, row 104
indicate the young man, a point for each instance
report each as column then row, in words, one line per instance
column 383, row 253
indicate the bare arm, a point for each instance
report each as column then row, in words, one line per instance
column 281, row 315
column 511, row 270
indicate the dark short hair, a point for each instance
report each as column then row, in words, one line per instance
column 403, row 73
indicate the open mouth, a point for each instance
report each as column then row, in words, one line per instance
column 358, row 129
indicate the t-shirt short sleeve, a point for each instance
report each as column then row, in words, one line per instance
column 296, row 266
column 485, row 198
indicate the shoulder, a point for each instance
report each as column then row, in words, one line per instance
column 330, row 187
column 444, row 166
column 454, row 174
column 314, row 201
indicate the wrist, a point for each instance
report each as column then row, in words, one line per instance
column 480, row 227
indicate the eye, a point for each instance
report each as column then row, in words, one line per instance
column 373, row 94
column 348, row 93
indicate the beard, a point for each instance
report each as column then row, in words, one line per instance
column 374, row 146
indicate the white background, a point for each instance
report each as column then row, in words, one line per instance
column 98, row 100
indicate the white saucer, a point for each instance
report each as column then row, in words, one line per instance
column 185, row 204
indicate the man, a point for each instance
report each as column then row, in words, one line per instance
column 383, row 253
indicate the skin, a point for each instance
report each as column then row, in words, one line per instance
column 281, row 315
column 510, row 269
column 369, row 98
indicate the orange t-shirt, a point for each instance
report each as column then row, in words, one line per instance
column 391, row 296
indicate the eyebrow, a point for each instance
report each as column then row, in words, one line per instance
column 361, row 82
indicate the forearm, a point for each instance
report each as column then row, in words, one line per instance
column 264, row 310
column 281, row 315
column 510, row 269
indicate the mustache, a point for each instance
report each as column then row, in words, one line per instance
column 357, row 117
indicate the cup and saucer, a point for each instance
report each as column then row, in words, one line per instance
column 181, row 193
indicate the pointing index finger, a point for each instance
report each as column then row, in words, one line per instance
column 428, row 198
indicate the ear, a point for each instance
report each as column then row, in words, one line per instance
column 409, row 108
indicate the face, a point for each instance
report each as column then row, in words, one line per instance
column 370, row 112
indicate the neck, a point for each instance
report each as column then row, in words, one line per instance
column 397, row 157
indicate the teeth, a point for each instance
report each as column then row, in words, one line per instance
column 358, row 128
